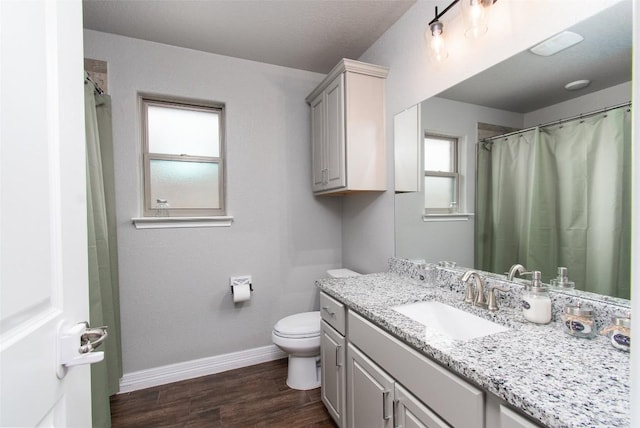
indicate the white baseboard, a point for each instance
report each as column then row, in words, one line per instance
column 196, row 368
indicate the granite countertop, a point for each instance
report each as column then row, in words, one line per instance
column 557, row 379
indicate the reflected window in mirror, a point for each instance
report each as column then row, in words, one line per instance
column 441, row 174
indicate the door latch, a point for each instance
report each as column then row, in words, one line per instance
column 77, row 344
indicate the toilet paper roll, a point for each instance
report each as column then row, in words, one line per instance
column 241, row 293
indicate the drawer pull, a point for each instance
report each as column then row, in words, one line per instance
column 338, row 359
column 385, row 398
column 327, row 310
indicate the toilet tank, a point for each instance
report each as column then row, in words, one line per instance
column 341, row 273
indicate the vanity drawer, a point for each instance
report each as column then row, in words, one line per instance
column 333, row 312
column 456, row 401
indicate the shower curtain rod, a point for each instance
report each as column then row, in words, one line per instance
column 556, row 122
column 95, row 85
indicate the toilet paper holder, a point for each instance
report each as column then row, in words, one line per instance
column 240, row 280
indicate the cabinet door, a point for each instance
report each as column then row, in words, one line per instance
column 333, row 374
column 318, row 106
column 411, row 413
column 510, row 419
column 335, row 145
column 370, row 391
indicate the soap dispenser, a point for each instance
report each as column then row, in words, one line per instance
column 562, row 281
column 536, row 303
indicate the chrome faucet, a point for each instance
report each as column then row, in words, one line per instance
column 474, row 296
column 516, row 269
column 493, row 303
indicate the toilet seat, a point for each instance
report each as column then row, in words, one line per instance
column 299, row 326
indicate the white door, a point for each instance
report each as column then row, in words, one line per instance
column 43, row 246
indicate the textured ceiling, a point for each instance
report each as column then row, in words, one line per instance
column 304, row 34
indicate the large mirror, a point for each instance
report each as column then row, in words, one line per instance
column 521, row 93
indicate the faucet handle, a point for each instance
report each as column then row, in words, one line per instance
column 470, row 295
column 480, row 301
column 493, row 303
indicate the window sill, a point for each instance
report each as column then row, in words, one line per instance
column 447, row 217
column 180, row 222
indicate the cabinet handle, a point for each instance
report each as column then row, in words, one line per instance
column 395, row 413
column 326, row 309
column 385, row 397
column 338, row 359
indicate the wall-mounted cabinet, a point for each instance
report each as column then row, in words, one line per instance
column 348, row 130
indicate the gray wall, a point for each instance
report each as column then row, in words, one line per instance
column 175, row 298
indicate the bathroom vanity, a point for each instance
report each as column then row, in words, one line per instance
column 384, row 369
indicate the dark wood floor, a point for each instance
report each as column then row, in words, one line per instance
column 254, row 396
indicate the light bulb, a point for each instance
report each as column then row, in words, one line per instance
column 435, row 39
column 475, row 15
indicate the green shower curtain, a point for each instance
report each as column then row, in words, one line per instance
column 104, row 303
column 560, row 196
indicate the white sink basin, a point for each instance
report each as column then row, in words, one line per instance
column 453, row 322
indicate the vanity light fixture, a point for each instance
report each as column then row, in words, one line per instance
column 437, row 46
column 475, row 14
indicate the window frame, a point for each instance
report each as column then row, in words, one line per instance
column 455, row 174
column 148, row 210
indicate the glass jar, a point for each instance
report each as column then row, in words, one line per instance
column 619, row 332
column 579, row 321
column 536, row 303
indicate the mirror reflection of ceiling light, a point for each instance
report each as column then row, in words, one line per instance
column 577, row 85
column 557, row 43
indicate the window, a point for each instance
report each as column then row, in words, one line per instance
column 441, row 177
column 183, row 158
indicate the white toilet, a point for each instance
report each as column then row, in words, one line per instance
column 299, row 336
